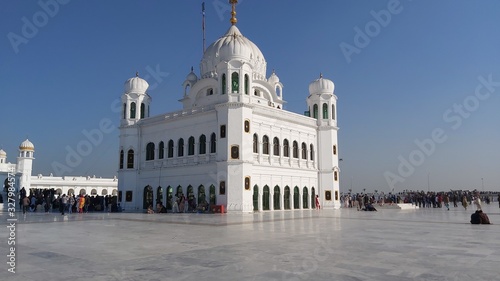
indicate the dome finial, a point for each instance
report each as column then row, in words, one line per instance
column 320, row 75
column 192, row 69
column 233, row 19
column 137, row 74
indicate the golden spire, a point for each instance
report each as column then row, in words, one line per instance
column 233, row 19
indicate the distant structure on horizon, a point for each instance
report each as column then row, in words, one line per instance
column 62, row 185
column 232, row 143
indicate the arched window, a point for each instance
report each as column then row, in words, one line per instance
column 296, row 198
column 180, row 148
column 286, row 148
column 276, row 198
column 313, row 197
column 213, row 143
column 311, row 151
column 191, row 146
column 333, row 111
column 143, row 110
column 315, row 111
column 255, row 198
column 304, row 150
column 213, row 199
column 170, row 149
column 276, row 146
column 202, row 149
column 247, row 85
column 122, row 156
column 170, row 196
column 161, row 150
column 124, row 111
column 150, row 151
column 335, row 176
column 179, row 192
column 295, row 152
column 305, row 198
column 159, row 195
column 235, row 81
column 246, row 126
column 265, row 145
column 130, row 159
column 265, row 198
column 202, row 197
column 286, row 198
column 132, row 110
column 334, row 150
column 325, row 111
column 278, row 91
column 255, row 143
column 223, row 83
column 148, row 197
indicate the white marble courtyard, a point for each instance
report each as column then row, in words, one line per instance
column 423, row 244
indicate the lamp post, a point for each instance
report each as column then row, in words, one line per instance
column 428, row 183
column 482, row 183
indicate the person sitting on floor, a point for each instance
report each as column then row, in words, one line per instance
column 479, row 218
column 369, row 207
column 150, row 209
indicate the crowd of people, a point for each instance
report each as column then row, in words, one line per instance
column 47, row 200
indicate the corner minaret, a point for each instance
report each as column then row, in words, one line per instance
column 25, row 163
column 135, row 100
column 322, row 104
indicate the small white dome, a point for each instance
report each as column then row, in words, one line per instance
column 233, row 45
column 321, row 86
column 136, row 85
column 191, row 77
column 273, row 79
column 3, row 154
column 26, row 145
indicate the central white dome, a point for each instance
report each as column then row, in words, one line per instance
column 233, row 45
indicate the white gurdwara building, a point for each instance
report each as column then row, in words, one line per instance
column 232, row 144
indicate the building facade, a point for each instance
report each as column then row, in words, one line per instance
column 232, row 143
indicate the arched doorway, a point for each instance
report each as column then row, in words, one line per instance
column 287, row 198
column 93, row 192
column 179, row 192
column 148, row 197
column 296, row 198
column 71, row 191
column 255, row 198
column 305, row 198
column 104, row 192
column 213, row 199
column 83, row 192
column 202, row 197
column 313, row 197
column 159, row 195
column 190, row 196
column 170, row 195
column 265, row 198
column 276, row 198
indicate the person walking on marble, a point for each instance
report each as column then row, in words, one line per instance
column 63, row 203
column 464, row 202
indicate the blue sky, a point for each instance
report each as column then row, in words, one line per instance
column 401, row 80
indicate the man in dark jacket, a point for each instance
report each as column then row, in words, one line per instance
column 479, row 218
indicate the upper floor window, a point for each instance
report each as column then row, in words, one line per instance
column 325, row 111
column 191, row 146
column 180, row 148
column 265, row 145
column 132, row 110
column 170, row 148
column 124, row 111
column 213, row 143
column 304, row 150
column 161, row 150
column 222, row 131
column 247, row 126
column 311, row 150
column 295, row 152
column 235, row 80
column 143, row 110
column 315, row 111
column 333, row 111
column 130, row 159
column 286, row 148
column 255, row 143
column 202, row 145
column 334, row 150
column 247, row 85
column 276, row 146
column 223, row 84
column 150, row 151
